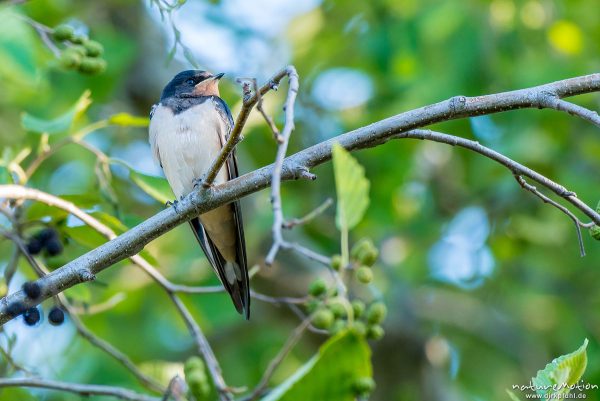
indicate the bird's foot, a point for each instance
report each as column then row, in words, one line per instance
column 174, row 204
column 199, row 183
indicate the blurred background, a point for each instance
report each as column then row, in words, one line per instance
column 484, row 283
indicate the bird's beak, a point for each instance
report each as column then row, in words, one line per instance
column 216, row 77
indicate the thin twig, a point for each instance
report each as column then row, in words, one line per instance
column 82, row 389
column 275, row 362
column 106, row 347
column 175, row 389
column 293, row 84
column 552, row 101
column 236, row 133
column 11, row 362
column 268, row 119
column 204, row 349
column 308, row 217
column 44, row 33
column 99, row 307
column 578, row 223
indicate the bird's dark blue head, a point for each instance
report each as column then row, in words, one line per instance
column 192, row 83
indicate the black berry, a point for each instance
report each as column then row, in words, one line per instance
column 15, row 309
column 54, row 247
column 31, row 316
column 34, row 246
column 56, row 316
column 46, row 234
column 32, row 290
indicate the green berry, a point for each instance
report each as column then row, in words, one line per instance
column 323, row 319
column 358, row 307
column 336, row 262
column 78, row 39
column 375, row 332
column 365, row 252
column 337, row 326
column 194, row 363
column 317, row 287
column 63, row 32
column 312, row 305
column 595, row 232
column 376, row 313
column 369, row 257
column 79, row 49
column 338, row 308
column 198, row 384
column 359, row 328
column 92, row 65
column 364, row 274
column 70, row 59
column 93, row 48
column 363, row 386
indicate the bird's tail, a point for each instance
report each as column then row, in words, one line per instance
column 233, row 274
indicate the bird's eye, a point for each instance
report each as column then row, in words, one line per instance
column 190, row 81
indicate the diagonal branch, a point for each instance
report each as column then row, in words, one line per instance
column 131, row 242
column 236, row 133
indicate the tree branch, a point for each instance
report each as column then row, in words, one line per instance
column 236, row 133
column 131, row 242
column 82, row 389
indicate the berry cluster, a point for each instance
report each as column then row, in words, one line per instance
column 196, row 378
column 80, row 53
column 46, row 239
column 33, row 315
column 334, row 313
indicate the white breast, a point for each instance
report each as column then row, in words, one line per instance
column 186, row 144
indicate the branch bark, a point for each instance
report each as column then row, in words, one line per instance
column 85, row 267
column 82, row 389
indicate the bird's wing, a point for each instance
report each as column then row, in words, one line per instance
column 238, row 283
column 153, row 136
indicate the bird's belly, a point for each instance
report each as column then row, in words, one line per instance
column 188, row 148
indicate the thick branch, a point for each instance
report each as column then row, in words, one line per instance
column 131, row 242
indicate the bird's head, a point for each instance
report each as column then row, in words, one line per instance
column 193, row 83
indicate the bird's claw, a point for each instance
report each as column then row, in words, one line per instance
column 174, row 204
column 199, row 182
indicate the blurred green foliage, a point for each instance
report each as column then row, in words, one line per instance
column 443, row 341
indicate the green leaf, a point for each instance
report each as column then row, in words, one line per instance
column 85, row 236
column 352, row 188
column 127, row 120
column 331, row 374
column 59, row 124
column 157, row 187
column 562, row 372
column 512, row 396
column 111, row 221
column 40, row 210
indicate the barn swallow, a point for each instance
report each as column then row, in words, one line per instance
column 188, row 128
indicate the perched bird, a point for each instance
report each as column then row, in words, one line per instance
column 188, row 128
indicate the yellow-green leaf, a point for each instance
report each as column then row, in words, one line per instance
column 352, row 188
column 127, row 120
column 331, row 374
column 157, row 187
column 562, row 372
column 59, row 124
